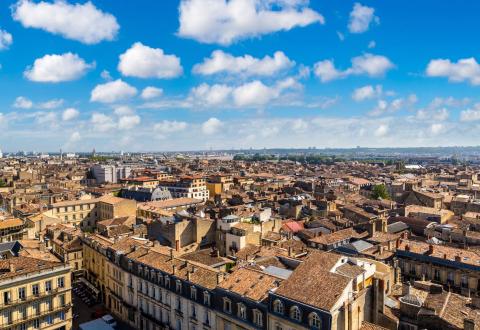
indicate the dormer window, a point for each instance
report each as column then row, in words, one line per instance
column 242, row 311
column 178, row 286
column 314, row 321
column 206, row 298
column 278, row 307
column 295, row 313
column 257, row 318
column 227, row 305
column 193, row 293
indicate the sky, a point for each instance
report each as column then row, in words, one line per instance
column 172, row 75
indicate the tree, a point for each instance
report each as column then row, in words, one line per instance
column 380, row 191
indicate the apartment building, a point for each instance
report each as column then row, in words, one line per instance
column 35, row 294
column 86, row 212
column 12, row 229
column 110, row 173
column 67, row 246
column 151, row 287
column 188, row 186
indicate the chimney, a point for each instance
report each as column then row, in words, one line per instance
column 188, row 276
column 407, row 247
column 174, row 269
column 171, row 254
column 458, row 258
column 219, row 278
column 12, row 267
column 468, row 324
column 430, row 249
column 289, row 251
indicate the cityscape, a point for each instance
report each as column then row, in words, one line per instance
column 239, row 165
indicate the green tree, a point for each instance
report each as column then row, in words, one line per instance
column 380, row 191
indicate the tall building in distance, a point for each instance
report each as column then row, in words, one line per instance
column 110, row 173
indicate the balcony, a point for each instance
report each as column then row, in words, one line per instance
column 33, row 297
column 19, row 320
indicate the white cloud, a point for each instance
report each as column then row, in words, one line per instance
column 128, row 122
column 74, row 137
column 167, row 126
column 432, row 114
column 254, row 93
column 211, row 95
column 372, row 44
column 106, row 75
column 6, row 39
column 145, row 62
column 123, row 110
column 360, row 18
column 22, row 102
column 367, row 92
column 466, row 69
column 247, row 65
column 70, row 114
column 102, row 122
column 393, row 106
column 211, row 126
column 46, row 118
column 112, row 92
column 436, row 128
column 151, row 92
column 382, row 130
column 81, row 22
column 57, row 68
column 368, row 64
column 51, row 104
column 470, row 115
column 223, row 22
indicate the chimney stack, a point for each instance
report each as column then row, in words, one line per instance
column 219, row 278
column 174, row 269
column 171, row 254
column 430, row 249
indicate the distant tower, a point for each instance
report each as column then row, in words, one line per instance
column 61, row 154
column 93, row 152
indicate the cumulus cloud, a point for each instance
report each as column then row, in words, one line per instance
column 393, row 106
column 466, row 69
column 470, row 115
column 145, row 62
column 436, row 128
column 167, row 126
column 6, row 39
column 128, row 122
column 102, row 122
column 432, row 114
column 211, row 95
column 211, row 126
column 368, row 64
column 22, row 102
column 367, row 92
column 381, row 130
column 247, row 65
column 226, row 21
column 74, row 137
column 250, row 94
column 57, row 68
column 70, row 114
column 123, row 110
column 112, row 91
column 151, row 92
column 361, row 17
column 81, row 22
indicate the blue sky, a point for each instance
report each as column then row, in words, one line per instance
column 199, row 74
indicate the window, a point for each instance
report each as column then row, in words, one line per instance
column 194, row 310
column 464, row 281
column 48, row 286
column 227, row 305
column 61, row 315
column 193, row 293
column 7, row 317
column 36, row 308
column 278, row 307
column 242, row 311
column 207, row 318
column 61, row 282
column 206, row 298
column 36, row 324
column 314, row 321
column 61, row 300
column 258, row 318
column 7, row 297
column 22, row 312
column 35, row 290
column 178, row 287
column 179, row 304
column 21, row 293
column 48, row 319
column 295, row 313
